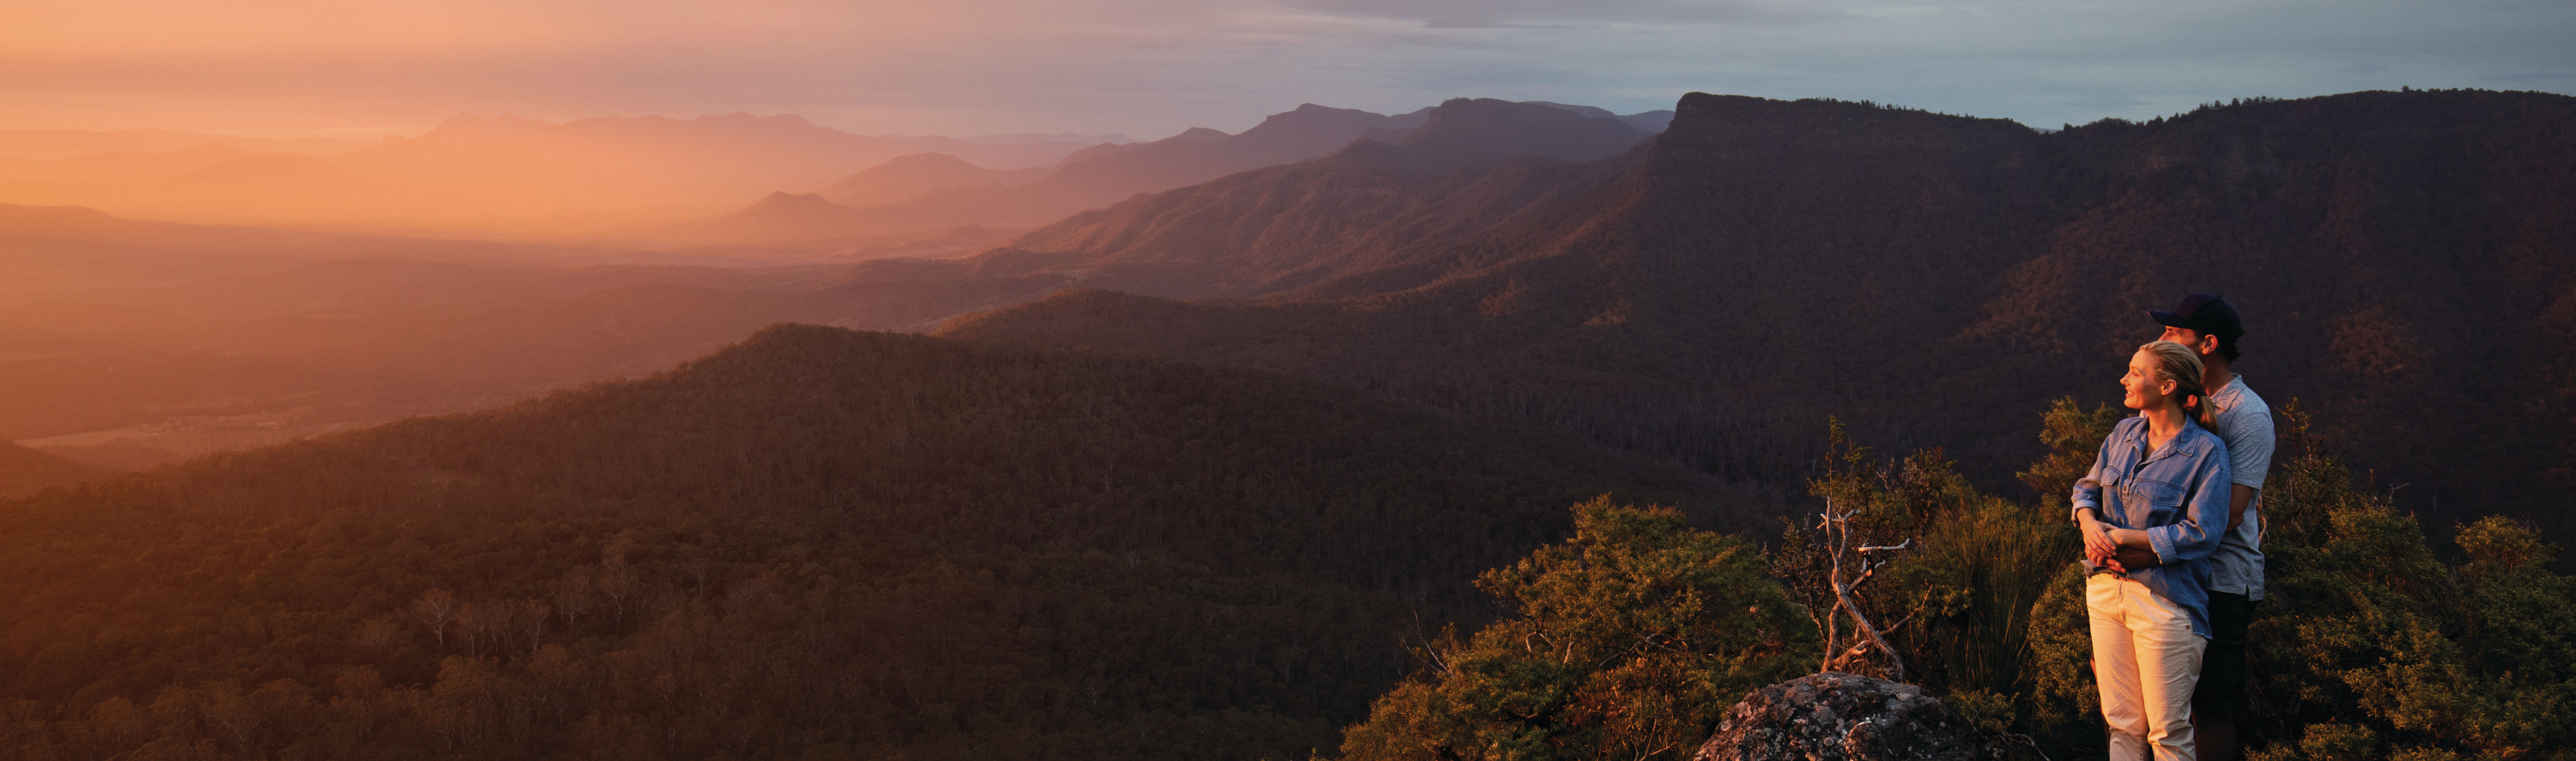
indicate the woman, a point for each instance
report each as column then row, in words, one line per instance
column 2152, row 510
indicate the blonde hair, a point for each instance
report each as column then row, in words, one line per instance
column 2178, row 363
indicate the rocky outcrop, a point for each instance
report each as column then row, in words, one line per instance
column 1835, row 716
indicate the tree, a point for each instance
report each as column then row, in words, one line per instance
column 1627, row 641
column 434, row 608
column 1863, row 562
column 1956, row 606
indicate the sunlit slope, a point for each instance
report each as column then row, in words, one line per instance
column 50, row 145
column 1470, row 130
column 1935, row 280
column 904, row 178
column 176, row 339
column 816, row 542
column 1090, row 178
column 1472, row 166
column 502, row 174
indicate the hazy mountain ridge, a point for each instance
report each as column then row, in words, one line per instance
column 905, row 178
column 124, row 166
column 776, row 218
column 216, row 337
column 1934, row 280
column 49, row 145
column 1469, row 165
column 141, row 342
column 1472, row 165
column 1106, row 174
column 1650, row 121
column 482, row 173
column 26, row 471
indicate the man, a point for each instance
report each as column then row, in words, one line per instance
column 2209, row 325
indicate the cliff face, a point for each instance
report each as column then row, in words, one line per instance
column 1935, row 280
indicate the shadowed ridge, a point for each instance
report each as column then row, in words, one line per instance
column 2394, row 248
column 1476, row 130
column 1372, row 207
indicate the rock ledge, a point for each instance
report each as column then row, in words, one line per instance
column 1835, row 716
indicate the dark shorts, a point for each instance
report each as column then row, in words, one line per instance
column 2222, row 667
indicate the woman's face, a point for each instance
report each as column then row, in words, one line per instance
column 2144, row 390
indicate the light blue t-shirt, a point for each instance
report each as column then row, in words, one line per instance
column 2245, row 423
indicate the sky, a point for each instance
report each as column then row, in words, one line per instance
column 1149, row 68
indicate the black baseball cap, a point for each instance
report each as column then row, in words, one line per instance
column 2204, row 313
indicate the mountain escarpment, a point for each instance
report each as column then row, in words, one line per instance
column 1936, row 280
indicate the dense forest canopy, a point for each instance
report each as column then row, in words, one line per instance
column 818, row 541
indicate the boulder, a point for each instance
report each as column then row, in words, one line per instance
column 1835, row 716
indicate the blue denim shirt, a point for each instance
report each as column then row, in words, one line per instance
column 2177, row 494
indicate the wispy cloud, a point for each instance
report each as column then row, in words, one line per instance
column 1155, row 66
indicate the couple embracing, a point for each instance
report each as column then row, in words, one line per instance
column 2173, row 540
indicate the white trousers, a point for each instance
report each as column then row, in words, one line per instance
column 2147, row 660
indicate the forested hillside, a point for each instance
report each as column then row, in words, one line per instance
column 817, row 543
column 1936, row 280
column 25, row 471
column 1475, row 164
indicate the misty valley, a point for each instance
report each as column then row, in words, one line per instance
column 1489, row 430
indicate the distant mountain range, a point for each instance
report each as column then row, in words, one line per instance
column 470, row 168
column 190, row 338
column 45, row 145
column 948, row 192
column 172, row 339
column 905, row 178
column 1471, row 165
column 526, row 178
column 1454, row 170
column 1931, row 280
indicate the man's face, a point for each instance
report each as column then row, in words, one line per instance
column 2188, row 337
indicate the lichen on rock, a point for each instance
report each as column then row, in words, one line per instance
column 1833, row 716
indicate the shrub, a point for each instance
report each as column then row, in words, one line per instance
column 1628, row 641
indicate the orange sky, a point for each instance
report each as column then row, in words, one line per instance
column 1152, row 67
